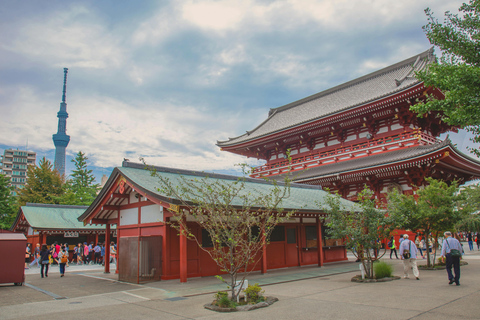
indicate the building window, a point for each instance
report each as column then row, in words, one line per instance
column 278, row 234
column 311, row 236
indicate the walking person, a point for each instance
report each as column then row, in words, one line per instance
column 63, row 260
column 85, row 253
column 478, row 241
column 45, row 260
column 470, row 241
column 408, row 252
column 28, row 254
column 391, row 245
column 113, row 253
column 452, row 251
column 97, row 252
column 36, row 256
column 418, row 244
column 79, row 254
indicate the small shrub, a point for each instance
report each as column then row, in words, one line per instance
column 220, row 294
column 382, row 270
column 225, row 302
column 254, row 294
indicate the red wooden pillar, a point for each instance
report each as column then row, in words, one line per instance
column 107, row 249
column 183, row 255
column 319, row 242
column 117, row 255
column 264, row 253
column 96, row 238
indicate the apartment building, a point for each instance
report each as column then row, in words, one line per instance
column 14, row 164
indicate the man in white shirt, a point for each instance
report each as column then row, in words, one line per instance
column 412, row 260
column 449, row 244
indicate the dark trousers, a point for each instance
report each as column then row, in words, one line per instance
column 392, row 251
column 455, row 262
column 44, row 266
column 62, row 268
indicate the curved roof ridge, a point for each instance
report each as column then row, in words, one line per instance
column 426, row 54
column 399, row 76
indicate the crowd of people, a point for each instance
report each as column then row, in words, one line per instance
column 83, row 253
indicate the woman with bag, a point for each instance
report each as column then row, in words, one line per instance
column 62, row 260
column 44, row 258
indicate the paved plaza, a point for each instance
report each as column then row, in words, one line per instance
column 304, row 293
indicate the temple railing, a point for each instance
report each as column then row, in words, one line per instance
column 398, row 141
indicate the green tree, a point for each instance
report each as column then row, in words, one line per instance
column 431, row 210
column 81, row 188
column 362, row 229
column 238, row 218
column 457, row 74
column 469, row 203
column 7, row 209
column 44, row 185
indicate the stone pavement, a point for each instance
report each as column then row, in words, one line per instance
column 305, row 293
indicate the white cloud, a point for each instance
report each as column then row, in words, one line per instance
column 69, row 37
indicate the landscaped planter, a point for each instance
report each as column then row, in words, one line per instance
column 268, row 301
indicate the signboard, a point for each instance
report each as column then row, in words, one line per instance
column 71, row 234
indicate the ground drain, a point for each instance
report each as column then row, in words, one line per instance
column 176, row 299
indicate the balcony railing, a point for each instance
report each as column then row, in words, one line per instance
column 398, row 141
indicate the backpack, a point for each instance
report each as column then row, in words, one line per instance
column 389, row 244
column 64, row 258
column 406, row 252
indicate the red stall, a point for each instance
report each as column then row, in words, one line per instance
column 12, row 264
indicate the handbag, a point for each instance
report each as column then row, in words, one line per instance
column 454, row 252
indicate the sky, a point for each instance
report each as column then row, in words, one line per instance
column 164, row 80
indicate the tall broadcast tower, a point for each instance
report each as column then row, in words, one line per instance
column 61, row 139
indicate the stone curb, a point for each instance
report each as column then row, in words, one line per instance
column 269, row 301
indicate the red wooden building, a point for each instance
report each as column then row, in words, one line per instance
column 150, row 249
column 359, row 133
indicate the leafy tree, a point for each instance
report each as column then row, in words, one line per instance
column 457, row 74
column 7, row 210
column 238, row 219
column 431, row 210
column 44, row 185
column 469, row 203
column 81, row 189
column 362, row 230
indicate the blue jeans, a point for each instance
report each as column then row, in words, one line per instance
column 455, row 262
column 44, row 266
column 470, row 245
column 62, row 268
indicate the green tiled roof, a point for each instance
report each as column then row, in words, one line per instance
column 302, row 197
column 50, row 216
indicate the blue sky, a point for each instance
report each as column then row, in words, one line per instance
column 165, row 80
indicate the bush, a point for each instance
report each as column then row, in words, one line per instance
column 220, row 294
column 254, row 294
column 382, row 270
column 225, row 302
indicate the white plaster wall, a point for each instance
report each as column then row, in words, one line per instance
column 333, row 142
column 309, row 220
column 304, row 149
column 129, row 216
column 153, row 213
column 396, row 126
column 383, row 129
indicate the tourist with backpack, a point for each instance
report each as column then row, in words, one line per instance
column 391, row 245
column 408, row 252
